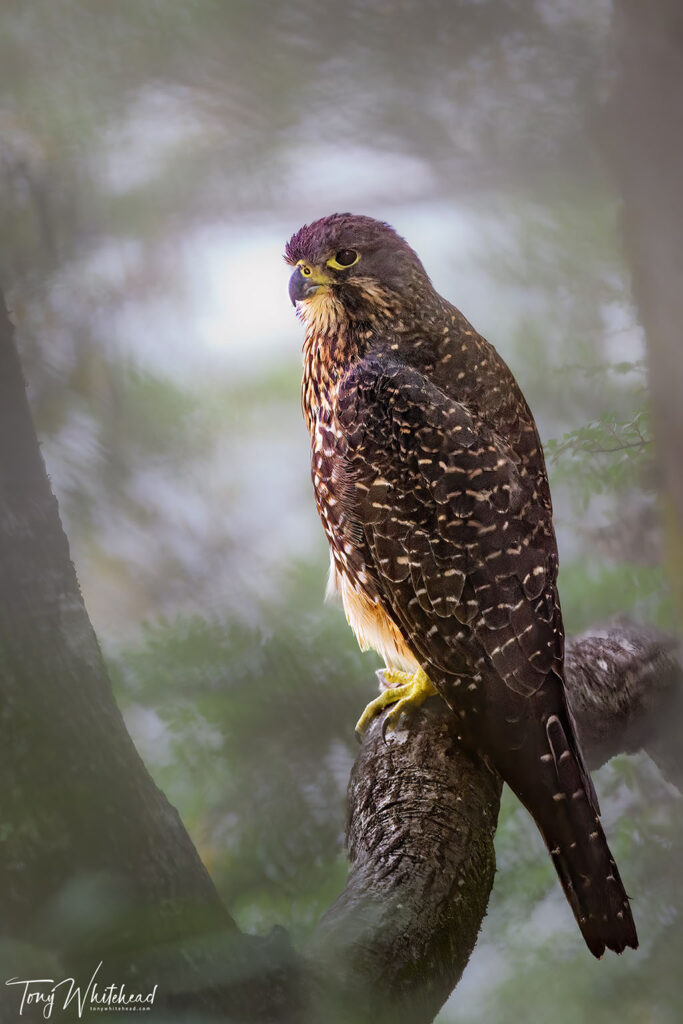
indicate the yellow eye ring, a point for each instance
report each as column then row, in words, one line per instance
column 304, row 268
column 344, row 259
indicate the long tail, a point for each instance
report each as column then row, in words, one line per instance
column 564, row 813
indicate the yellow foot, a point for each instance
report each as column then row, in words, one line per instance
column 404, row 691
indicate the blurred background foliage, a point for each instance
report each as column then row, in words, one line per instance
column 154, row 158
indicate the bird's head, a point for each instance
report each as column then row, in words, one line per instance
column 356, row 266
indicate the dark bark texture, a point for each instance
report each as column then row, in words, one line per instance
column 95, row 863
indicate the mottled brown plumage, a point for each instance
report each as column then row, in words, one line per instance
column 431, row 485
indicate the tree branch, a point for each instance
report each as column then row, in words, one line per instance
column 421, row 820
column 422, row 817
column 625, row 685
column 95, row 863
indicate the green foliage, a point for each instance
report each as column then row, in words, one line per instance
column 253, row 742
column 606, row 456
column 593, row 591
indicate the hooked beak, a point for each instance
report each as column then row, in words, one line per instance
column 305, row 282
column 301, row 287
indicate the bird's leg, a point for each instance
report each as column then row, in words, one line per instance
column 405, row 690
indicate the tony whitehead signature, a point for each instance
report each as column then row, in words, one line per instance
column 47, row 993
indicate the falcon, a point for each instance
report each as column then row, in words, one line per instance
column 431, row 485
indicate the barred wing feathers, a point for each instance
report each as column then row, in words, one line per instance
column 458, row 537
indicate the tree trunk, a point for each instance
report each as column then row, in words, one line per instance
column 645, row 151
column 95, row 862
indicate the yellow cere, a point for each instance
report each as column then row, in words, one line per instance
column 314, row 274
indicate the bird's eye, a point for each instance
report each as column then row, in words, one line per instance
column 346, row 257
column 343, row 259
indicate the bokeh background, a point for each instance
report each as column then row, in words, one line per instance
column 154, row 158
